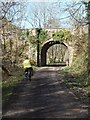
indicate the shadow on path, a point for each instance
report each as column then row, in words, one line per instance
column 46, row 96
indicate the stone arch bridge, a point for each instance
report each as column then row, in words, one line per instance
column 50, row 43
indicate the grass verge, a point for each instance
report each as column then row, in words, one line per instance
column 9, row 84
column 76, row 79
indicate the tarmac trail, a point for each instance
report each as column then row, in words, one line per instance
column 46, row 96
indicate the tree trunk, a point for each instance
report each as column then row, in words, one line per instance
column 5, row 70
column 88, row 17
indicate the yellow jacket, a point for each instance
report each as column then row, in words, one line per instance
column 26, row 64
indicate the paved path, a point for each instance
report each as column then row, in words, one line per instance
column 45, row 96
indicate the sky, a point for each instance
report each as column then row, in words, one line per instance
column 38, row 7
column 33, row 12
column 42, row 0
column 57, row 9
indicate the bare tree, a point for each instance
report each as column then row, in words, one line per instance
column 10, row 12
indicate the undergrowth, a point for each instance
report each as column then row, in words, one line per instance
column 9, row 83
column 78, row 70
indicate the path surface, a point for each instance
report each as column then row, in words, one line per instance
column 45, row 96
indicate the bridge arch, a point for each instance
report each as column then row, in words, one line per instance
column 45, row 47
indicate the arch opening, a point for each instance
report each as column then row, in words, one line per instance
column 46, row 47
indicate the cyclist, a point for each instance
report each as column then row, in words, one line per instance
column 27, row 68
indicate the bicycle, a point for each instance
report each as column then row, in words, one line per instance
column 28, row 73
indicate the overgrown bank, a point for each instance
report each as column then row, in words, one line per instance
column 77, row 77
column 9, row 82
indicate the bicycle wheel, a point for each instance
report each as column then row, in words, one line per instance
column 26, row 75
column 29, row 75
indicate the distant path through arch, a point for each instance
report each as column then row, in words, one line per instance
column 44, row 49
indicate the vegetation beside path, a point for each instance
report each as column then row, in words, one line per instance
column 9, row 83
column 77, row 85
column 77, row 79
